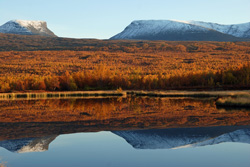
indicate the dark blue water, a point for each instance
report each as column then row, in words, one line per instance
column 141, row 148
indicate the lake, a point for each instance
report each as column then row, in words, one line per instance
column 130, row 131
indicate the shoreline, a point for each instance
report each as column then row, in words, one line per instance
column 60, row 95
column 118, row 93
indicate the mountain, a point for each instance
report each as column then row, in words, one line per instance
column 183, row 31
column 24, row 27
column 237, row 30
column 28, row 144
column 184, row 137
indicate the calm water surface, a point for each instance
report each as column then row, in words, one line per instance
column 108, row 149
column 153, row 132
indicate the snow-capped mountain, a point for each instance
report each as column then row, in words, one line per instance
column 184, row 137
column 25, row 27
column 28, row 144
column 183, row 31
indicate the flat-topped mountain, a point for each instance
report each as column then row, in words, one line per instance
column 171, row 30
column 25, row 27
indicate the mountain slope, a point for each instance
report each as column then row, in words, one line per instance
column 172, row 31
column 24, row 27
column 184, row 137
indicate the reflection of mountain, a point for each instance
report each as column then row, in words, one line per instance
column 184, row 137
column 148, row 139
column 55, row 117
column 28, row 144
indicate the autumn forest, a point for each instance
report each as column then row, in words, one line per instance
column 39, row 64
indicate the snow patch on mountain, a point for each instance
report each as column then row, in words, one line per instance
column 38, row 25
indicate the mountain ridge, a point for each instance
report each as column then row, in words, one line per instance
column 174, row 30
column 238, row 30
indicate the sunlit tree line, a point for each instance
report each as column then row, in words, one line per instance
column 102, row 78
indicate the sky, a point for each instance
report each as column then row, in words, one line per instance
column 103, row 19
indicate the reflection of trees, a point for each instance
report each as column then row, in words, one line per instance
column 138, row 112
column 20, row 119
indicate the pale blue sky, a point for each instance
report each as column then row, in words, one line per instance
column 105, row 18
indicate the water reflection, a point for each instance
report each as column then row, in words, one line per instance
column 172, row 138
column 58, row 128
column 116, row 114
column 184, row 137
column 27, row 144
